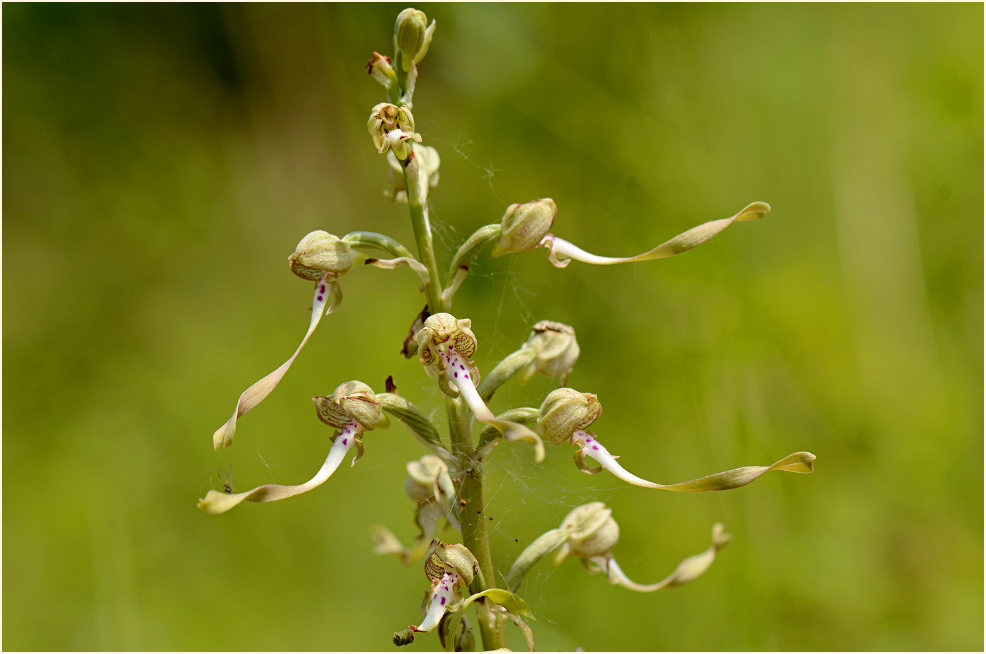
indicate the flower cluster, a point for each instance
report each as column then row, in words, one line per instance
column 445, row 485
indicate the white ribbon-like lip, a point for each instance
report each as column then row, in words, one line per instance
column 457, row 375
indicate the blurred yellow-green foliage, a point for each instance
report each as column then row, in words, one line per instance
column 161, row 162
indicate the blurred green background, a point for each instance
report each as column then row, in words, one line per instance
column 161, row 162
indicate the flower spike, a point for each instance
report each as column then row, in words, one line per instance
column 561, row 252
column 566, row 414
column 444, row 347
column 352, row 409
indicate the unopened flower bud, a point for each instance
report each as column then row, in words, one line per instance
column 524, row 225
column 590, row 530
column 564, row 411
column 352, row 400
column 412, row 36
column 555, row 350
column 318, row 253
column 450, row 557
column 381, row 70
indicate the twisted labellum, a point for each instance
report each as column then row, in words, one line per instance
column 326, row 288
column 457, row 376
column 561, row 252
column 590, row 447
column 687, row 570
column 442, row 595
column 218, row 502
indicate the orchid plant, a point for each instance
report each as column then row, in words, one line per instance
column 446, row 484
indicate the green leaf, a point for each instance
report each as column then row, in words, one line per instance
column 415, row 421
column 512, row 602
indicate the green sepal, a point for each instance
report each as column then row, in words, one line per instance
column 489, row 436
column 416, row 422
column 472, row 246
column 510, row 601
column 509, row 366
column 377, row 240
column 541, row 547
column 513, row 604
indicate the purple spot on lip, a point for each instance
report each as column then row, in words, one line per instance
column 466, row 375
column 443, row 601
column 321, row 289
column 345, row 441
column 595, row 447
column 319, row 298
column 456, row 375
column 461, row 367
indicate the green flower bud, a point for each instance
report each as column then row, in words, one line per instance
column 352, row 400
column 590, row 530
column 412, row 36
column 318, row 253
column 564, row 411
column 524, row 225
column 445, row 557
column 555, row 350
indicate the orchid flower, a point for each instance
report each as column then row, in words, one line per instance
column 551, row 351
column 320, row 257
column 392, row 128
column 445, row 345
column 450, row 569
column 525, row 226
column 352, row 409
column 566, row 415
column 589, row 532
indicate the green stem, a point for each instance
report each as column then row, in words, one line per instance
column 400, row 88
column 422, row 235
column 475, row 532
column 475, row 535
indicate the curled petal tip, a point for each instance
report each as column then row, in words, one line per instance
column 223, row 437
column 326, row 289
column 753, row 211
column 215, row 502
